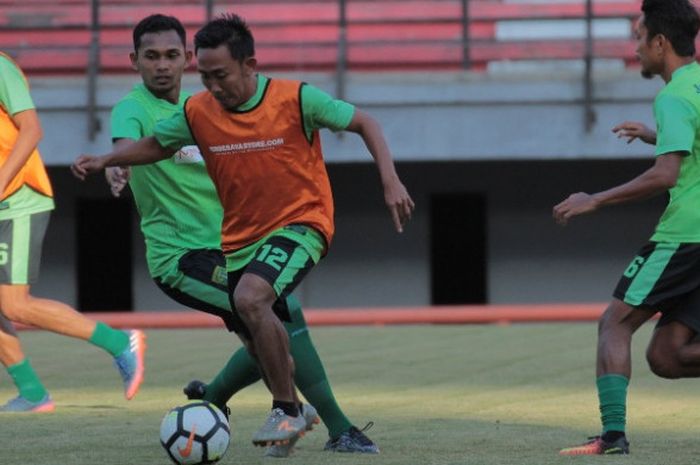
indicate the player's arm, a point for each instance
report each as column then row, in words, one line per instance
column 396, row 196
column 142, row 152
column 28, row 137
column 635, row 130
column 657, row 179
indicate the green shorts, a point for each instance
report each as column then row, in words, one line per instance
column 21, row 240
column 282, row 258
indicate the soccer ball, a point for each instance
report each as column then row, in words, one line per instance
column 195, row 433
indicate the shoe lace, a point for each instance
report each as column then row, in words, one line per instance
column 359, row 436
column 275, row 416
column 367, row 427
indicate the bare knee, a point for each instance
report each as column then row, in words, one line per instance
column 253, row 298
column 15, row 309
column 610, row 321
column 622, row 320
column 663, row 364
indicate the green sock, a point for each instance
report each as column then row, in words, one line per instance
column 27, row 381
column 612, row 394
column 112, row 340
column 309, row 376
column 240, row 371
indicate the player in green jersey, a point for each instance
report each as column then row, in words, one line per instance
column 181, row 222
column 25, row 207
column 665, row 274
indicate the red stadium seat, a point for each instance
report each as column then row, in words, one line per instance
column 303, row 35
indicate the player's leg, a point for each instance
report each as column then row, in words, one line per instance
column 198, row 280
column 645, row 286
column 23, row 237
column 253, row 298
column 673, row 352
column 197, row 283
column 33, row 396
column 311, row 379
column 615, row 329
column 272, row 268
column 674, row 349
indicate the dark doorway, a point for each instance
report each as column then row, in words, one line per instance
column 104, row 254
column 458, row 248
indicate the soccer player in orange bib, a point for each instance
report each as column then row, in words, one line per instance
column 260, row 142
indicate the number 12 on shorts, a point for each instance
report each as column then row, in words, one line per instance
column 273, row 256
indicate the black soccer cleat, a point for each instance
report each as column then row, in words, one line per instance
column 353, row 440
column 195, row 390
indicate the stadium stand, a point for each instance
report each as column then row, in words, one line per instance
column 53, row 36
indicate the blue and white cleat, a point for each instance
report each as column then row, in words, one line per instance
column 21, row 405
column 130, row 363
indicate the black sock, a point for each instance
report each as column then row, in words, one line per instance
column 612, row 436
column 289, row 408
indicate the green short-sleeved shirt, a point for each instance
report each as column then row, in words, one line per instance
column 319, row 110
column 176, row 198
column 15, row 98
column 677, row 113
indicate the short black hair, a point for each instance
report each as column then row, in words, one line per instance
column 229, row 29
column 677, row 20
column 158, row 23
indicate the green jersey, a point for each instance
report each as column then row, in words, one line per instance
column 677, row 113
column 176, row 199
column 15, row 98
column 319, row 110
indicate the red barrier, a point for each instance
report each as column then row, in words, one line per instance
column 467, row 314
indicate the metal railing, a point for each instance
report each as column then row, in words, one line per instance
column 341, row 45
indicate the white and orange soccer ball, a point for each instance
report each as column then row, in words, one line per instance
column 196, row 433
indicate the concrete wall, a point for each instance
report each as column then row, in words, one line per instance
column 530, row 259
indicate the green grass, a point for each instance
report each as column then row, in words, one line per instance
column 482, row 395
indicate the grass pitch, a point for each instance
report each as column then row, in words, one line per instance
column 482, row 395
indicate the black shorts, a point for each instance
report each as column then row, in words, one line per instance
column 200, row 282
column 664, row 276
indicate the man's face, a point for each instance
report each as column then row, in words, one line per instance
column 231, row 82
column 161, row 60
column 648, row 52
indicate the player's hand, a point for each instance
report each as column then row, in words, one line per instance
column 117, row 178
column 575, row 204
column 634, row 130
column 399, row 203
column 85, row 165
